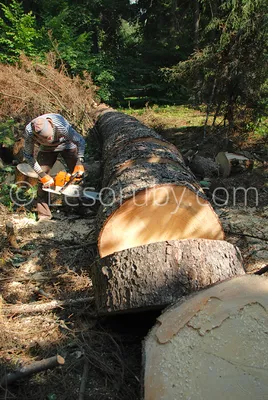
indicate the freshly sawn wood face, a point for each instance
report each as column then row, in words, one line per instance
column 211, row 345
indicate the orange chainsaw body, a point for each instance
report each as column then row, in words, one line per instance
column 62, row 178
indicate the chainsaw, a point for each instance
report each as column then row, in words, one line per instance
column 64, row 183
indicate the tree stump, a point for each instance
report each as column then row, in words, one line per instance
column 148, row 195
column 211, row 345
column 155, row 275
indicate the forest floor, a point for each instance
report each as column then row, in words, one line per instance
column 52, row 266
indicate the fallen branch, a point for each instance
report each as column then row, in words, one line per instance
column 34, row 368
column 49, row 91
column 84, row 380
column 247, row 235
column 262, row 270
column 42, row 307
column 15, row 97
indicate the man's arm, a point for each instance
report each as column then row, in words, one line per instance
column 78, row 140
column 29, row 151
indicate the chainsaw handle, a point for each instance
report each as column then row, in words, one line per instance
column 72, row 178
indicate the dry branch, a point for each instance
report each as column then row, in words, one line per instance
column 84, row 380
column 262, row 270
column 34, row 368
column 43, row 307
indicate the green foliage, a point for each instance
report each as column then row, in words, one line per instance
column 7, row 138
column 71, row 46
column 18, row 33
column 13, row 196
column 230, row 67
column 164, row 51
column 103, row 71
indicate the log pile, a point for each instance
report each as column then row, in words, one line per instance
column 158, row 236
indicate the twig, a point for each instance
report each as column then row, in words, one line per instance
column 79, row 246
column 42, row 307
column 10, row 95
column 74, row 246
column 34, row 368
column 84, row 380
column 247, row 235
column 49, row 91
column 43, row 293
column 262, row 270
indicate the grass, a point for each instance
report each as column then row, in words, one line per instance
column 171, row 116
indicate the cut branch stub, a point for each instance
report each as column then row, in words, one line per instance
column 155, row 275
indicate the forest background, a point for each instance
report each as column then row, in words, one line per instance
column 210, row 53
column 192, row 70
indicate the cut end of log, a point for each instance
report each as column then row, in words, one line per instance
column 213, row 345
column 60, row 360
column 230, row 161
column 166, row 212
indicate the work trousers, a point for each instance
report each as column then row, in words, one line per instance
column 46, row 160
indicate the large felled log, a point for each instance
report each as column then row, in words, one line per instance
column 137, row 152
column 212, row 345
column 155, row 275
column 150, row 194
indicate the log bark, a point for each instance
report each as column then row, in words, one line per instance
column 211, row 345
column 137, row 152
column 204, row 167
column 148, row 195
column 155, row 275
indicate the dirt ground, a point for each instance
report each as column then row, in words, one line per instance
column 52, row 262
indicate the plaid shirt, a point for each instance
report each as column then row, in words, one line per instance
column 65, row 138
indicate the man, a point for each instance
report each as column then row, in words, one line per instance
column 55, row 136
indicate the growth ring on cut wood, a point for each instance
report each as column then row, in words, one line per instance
column 159, row 213
column 212, row 345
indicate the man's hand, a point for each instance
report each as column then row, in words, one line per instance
column 79, row 169
column 47, row 180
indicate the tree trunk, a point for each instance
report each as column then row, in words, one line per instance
column 211, row 345
column 155, row 275
column 148, row 195
column 196, row 23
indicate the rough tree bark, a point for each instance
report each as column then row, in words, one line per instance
column 155, row 275
column 149, row 195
